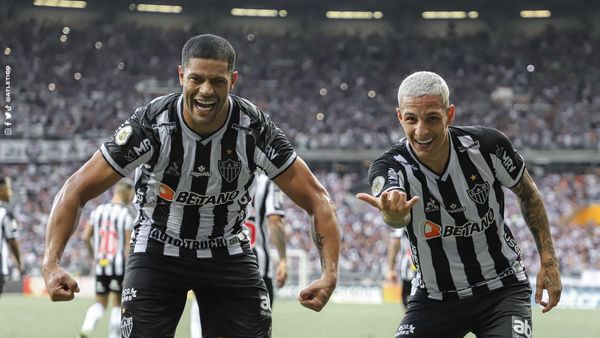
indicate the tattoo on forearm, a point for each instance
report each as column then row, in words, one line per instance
column 535, row 215
column 319, row 243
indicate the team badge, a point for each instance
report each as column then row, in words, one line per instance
column 123, row 134
column 377, row 185
column 126, row 325
column 479, row 193
column 230, row 169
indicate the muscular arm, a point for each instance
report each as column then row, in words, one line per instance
column 534, row 213
column 304, row 189
column 93, row 178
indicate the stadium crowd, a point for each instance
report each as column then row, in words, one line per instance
column 364, row 236
column 325, row 91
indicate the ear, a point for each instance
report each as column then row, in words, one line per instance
column 180, row 72
column 399, row 115
column 234, row 77
column 451, row 114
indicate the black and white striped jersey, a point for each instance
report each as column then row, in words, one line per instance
column 461, row 245
column 111, row 222
column 192, row 191
column 267, row 200
column 8, row 230
column 407, row 268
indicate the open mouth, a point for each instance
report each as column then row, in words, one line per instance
column 204, row 104
column 424, row 142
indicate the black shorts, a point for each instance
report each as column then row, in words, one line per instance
column 1, row 283
column 503, row 313
column 106, row 284
column 230, row 291
column 269, row 285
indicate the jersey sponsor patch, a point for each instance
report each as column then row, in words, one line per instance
column 521, row 327
column 123, row 135
column 405, row 330
column 506, row 159
column 431, row 230
column 377, row 185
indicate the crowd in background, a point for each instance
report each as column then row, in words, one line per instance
column 324, row 91
column 364, row 235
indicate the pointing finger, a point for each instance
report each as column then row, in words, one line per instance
column 373, row 201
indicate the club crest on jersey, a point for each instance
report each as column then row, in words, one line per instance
column 230, row 169
column 123, row 134
column 377, row 185
column 479, row 193
column 126, row 325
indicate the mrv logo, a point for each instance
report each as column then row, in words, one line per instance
column 507, row 161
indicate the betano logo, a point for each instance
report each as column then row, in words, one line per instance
column 191, row 198
column 432, row 230
column 468, row 229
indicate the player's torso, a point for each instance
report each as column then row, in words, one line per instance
column 457, row 230
column 198, row 186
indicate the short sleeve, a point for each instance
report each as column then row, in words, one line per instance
column 274, row 153
column 508, row 164
column 384, row 176
column 129, row 147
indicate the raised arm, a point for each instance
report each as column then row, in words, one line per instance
column 92, row 179
column 306, row 191
column 536, row 218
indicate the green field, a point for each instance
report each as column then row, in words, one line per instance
column 22, row 317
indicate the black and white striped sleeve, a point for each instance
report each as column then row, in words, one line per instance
column 129, row 147
column 383, row 176
column 274, row 153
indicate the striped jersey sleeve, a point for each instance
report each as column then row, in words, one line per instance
column 384, row 175
column 274, row 153
column 507, row 162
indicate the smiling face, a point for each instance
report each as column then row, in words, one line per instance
column 425, row 120
column 206, row 85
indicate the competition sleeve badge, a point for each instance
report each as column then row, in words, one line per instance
column 123, row 134
column 377, row 185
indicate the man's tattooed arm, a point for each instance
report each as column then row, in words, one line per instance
column 534, row 213
column 532, row 208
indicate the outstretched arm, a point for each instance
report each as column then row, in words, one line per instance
column 535, row 215
column 299, row 183
column 92, row 179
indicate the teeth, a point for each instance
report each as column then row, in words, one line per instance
column 205, row 102
column 424, row 142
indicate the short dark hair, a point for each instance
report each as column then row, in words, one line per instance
column 208, row 46
column 3, row 180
